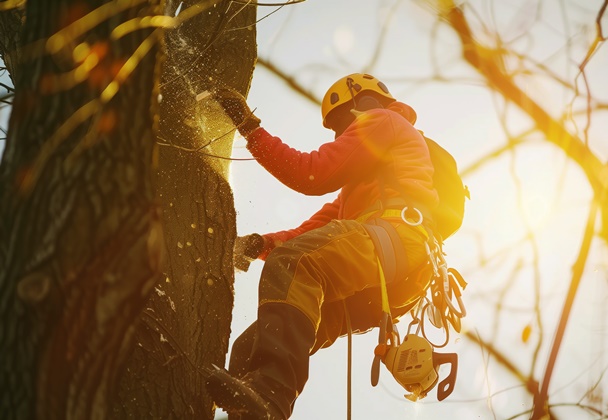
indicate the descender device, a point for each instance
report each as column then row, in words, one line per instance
column 413, row 361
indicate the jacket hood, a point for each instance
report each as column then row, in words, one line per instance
column 404, row 110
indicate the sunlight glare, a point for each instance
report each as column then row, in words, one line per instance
column 536, row 210
column 344, row 39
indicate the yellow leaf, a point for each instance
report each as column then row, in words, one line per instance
column 525, row 334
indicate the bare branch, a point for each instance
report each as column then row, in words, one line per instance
column 11, row 4
column 488, row 63
column 380, row 42
column 540, row 401
column 586, row 407
column 530, row 383
column 509, row 145
column 291, row 82
column 593, row 48
column 254, row 3
column 599, row 37
column 160, row 21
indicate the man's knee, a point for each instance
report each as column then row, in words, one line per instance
column 278, row 272
column 290, row 276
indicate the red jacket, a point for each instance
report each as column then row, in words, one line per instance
column 379, row 156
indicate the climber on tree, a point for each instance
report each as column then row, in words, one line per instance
column 329, row 264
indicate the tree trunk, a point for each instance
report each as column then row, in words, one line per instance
column 186, row 324
column 81, row 242
column 11, row 22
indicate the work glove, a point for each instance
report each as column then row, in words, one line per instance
column 247, row 249
column 236, row 108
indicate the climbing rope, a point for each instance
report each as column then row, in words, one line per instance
column 349, row 363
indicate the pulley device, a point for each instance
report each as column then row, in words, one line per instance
column 412, row 361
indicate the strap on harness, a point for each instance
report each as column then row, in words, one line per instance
column 392, row 264
column 389, row 249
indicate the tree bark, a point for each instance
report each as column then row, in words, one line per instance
column 81, row 242
column 186, row 323
column 11, row 22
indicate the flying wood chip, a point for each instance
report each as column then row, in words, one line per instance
column 202, row 95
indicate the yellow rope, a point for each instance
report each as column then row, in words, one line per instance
column 385, row 305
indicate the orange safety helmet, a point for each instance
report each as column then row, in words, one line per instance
column 349, row 87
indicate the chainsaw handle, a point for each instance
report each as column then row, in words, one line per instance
column 445, row 387
column 375, row 373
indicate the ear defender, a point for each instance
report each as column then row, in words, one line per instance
column 367, row 102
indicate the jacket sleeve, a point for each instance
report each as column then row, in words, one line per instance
column 351, row 155
column 325, row 215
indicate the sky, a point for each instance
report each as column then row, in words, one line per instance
column 317, row 42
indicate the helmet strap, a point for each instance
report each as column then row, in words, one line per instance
column 350, row 83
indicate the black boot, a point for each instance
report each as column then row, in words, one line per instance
column 240, row 355
column 239, row 397
column 278, row 366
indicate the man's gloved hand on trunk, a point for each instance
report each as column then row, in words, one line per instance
column 247, row 249
column 235, row 106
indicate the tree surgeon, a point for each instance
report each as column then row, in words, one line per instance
column 324, row 275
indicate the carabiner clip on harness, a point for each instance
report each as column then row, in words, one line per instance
column 413, row 362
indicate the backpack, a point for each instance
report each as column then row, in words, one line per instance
column 451, row 190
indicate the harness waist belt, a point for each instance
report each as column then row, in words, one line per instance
column 389, row 248
column 391, row 214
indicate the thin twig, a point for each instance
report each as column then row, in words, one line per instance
column 509, row 145
column 254, row 3
column 197, row 150
column 502, row 359
column 380, row 42
column 482, row 60
column 289, row 80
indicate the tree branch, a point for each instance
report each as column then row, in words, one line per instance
column 540, row 401
column 290, row 81
column 530, row 383
column 488, row 63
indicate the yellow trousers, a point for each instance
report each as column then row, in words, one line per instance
column 326, row 270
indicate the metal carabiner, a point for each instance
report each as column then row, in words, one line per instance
column 432, row 258
column 412, row 223
column 417, row 314
column 461, row 311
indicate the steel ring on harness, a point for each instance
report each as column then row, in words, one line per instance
column 412, row 223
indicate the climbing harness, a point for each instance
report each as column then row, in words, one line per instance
column 413, row 362
column 409, row 221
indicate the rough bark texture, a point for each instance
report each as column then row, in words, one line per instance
column 11, row 22
column 186, row 324
column 81, row 243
